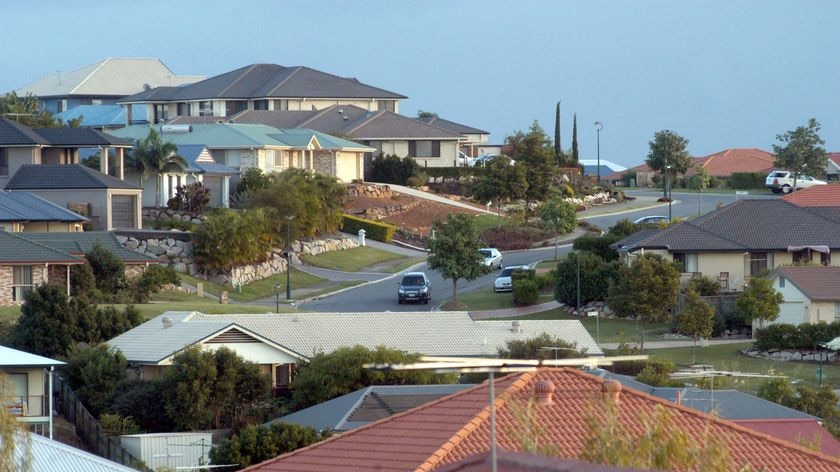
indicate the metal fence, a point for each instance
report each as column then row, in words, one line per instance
column 90, row 431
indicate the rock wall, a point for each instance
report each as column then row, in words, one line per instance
column 168, row 249
column 168, row 214
column 785, row 355
column 594, row 199
column 369, row 190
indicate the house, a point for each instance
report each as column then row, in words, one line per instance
column 29, row 259
column 818, row 198
column 243, row 146
column 591, row 169
column 832, row 166
column 278, row 342
column 811, row 293
column 107, row 201
column 30, row 377
column 733, row 161
column 259, row 87
column 47, row 455
column 102, row 83
column 367, row 405
column 507, row 461
column 742, row 240
column 449, row 430
column 473, row 138
column 23, row 211
column 21, row 145
column 384, row 131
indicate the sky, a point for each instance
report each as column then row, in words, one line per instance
column 723, row 74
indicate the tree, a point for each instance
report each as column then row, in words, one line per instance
column 154, row 156
column 253, row 179
column 596, row 276
column 575, row 154
column 699, row 181
column 13, row 434
column 46, row 324
column 668, row 154
column 27, row 111
column 426, row 115
column 453, row 251
column 646, row 290
column 696, row 319
column 559, row 217
column 141, row 400
column 759, row 301
column 531, row 348
column 93, row 373
column 535, row 151
column 108, row 269
column 393, row 169
column 801, row 151
column 501, row 182
column 329, row 375
column 558, row 148
column 255, row 444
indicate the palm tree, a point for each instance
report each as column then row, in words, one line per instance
column 152, row 155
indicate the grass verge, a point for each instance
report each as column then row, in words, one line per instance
column 259, row 289
column 408, row 262
column 350, row 260
column 487, row 299
column 611, row 330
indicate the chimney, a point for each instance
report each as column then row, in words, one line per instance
column 167, row 322
column 611, row 390
column 516, row 326
column 678, row 401
column 544, row 392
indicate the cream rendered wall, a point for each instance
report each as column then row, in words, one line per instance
column 821, row 311
column 712, row 264
column 35, row 388
column 348, row 165
column 50, row 227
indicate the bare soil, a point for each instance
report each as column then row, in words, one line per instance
column 416, row 221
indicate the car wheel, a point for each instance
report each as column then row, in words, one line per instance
column 776, row 190
column 786, row 188
column 400, row 301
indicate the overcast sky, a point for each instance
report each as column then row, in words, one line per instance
column 721, row 73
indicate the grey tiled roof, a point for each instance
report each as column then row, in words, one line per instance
column 69, row 177
column 818, row 283
column 157, row 94
column 272, row 81
column 24, row 206
column 81, row 242
column 16, row 134
column 80, row 137
column 389, row 125
column 746, row 225
column 452, row 126
column 16, row 249
column 444, row 334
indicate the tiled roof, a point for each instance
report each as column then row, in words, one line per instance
column 272, row 81
column 16, row 249
column 82, row 242
column 508, row 461
column 16, row 134
column 730, row 161
column 452, row 126
column 818, row 283
column 446, row 334
column 796, row 431
column 456, row 427
column 80, row 137
column 816, row 196
column 745, row 225
column 63, row 177
column 24, row 206
column 833, row 157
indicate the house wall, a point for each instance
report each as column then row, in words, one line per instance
column 349, row 165
column 821, row 311
column 97, row 199
column 51, row 227
column 19, row 157
column 36, row 399
column 39, row 276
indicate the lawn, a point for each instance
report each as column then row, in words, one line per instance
column 487, row 299
column 728, row 357
column 408, row 262
column 351, row 260
column 549, row 264
column 485, row 221
column 612, row 330
column 259, row 289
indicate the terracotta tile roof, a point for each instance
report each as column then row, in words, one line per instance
column 796, row 431
column 507, row 461
column 730, row 161
column 819, row 283
column 816, row 196
column 456, row 427
column 833, row 157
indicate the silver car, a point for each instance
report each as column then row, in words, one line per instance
column 492, row 257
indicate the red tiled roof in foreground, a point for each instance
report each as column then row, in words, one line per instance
column 816, row 196
column 797, row 431
column 455, row 427
column 507, row 461
column 731, row 161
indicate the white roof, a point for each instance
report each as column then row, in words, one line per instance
column 112, row 76
column 48, row 456
column 443, row 333
column 12, row 357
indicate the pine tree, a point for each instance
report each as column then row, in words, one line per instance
column 575, row 156
column 558, row 148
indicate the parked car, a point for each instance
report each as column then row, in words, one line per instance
column 503, row 282
column 492, row 257
column 465, row 160
column 653, row 219
column 483, row 159
column 782, row 181
column 414, row 287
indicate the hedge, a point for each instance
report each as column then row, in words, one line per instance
column 746, row 180
column 453, row 172
column 373, row 229
column 804, row 336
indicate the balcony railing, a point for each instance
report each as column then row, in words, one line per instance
column 28, row 406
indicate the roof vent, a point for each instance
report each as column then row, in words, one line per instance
column 516, row 326
column 167, row 322
column 345, row 118
column 611, row 390
column 544, row 392
column 341, row 111
column 176, row 129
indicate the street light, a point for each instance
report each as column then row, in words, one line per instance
column 289, row 257
column 577, row 259
column 668, row 190
column 277, row 297
column 599, row 126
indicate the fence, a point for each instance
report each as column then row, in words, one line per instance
column 90, row 431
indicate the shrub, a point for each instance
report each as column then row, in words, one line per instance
column 746, row 180
column 152, row 280
column 525, row 291
column 417, row 180
column 142, row 400
column 115, row 424
column 598, row 245
column 108, row 269
column 514, row 236
column 82, row 281
column 546, row 280
column 253, row 179
column 229, row 238
column 453, row 172
column 392, row 169
column 192, row 197
column 93, row 373
column 173, row 223
column 805, row 336
column 375, row 230
column 254, row 444
column 705, row 286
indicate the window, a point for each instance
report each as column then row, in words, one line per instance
column 688, row 261
column 837, row 310
column 96, row 101
column 260, row 104
column 387, row 105
column 782, row 282
column 160, row 113
column 183, row 109
column 21, row 282
column 233, row 107
column 85, row 101
column 281, row 104
column 60, row 106
column 205, row 108
column 758, row 263
column 4, row 161
column 424, row 149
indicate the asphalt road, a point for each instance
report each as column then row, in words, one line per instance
column 382, row 295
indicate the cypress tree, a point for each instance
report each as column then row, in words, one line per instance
column 575, row 156
column 558, row 149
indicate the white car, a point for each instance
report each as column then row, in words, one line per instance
column 465, row 160
column 492, row 257
column 503, row 282
column 782, row 181
column 483, row 159
column 653, row 219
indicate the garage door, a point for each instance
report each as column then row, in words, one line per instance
column 214, row 185
column 791, row 313
column 122, row 211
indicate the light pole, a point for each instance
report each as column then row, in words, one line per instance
column 599, row 126
column 668, row 190
column 277, row 297
column 577, row 259
column 289, row 257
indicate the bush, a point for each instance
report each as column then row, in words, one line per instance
column 392, row 169
column 525, row 291
column 705, row 286
column 598, row 245
column 115, row 424
column 514, row 236
column 173, row 223
column 746, row 180
column 108, row 269
column 375, row 230
column 805, row 336
column 93, row 373
column 192, row 197
column 229, row 238
column 655, row 369
column 252, row 179
column 255, row 444
column 417, row 180
column 546, row 280
column 142, row 400
column 152, row 280
column 453, row 172
column 82, row 281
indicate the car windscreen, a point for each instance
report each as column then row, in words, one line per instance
column 507, row 272
column 412, row 281
column 486, row 253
